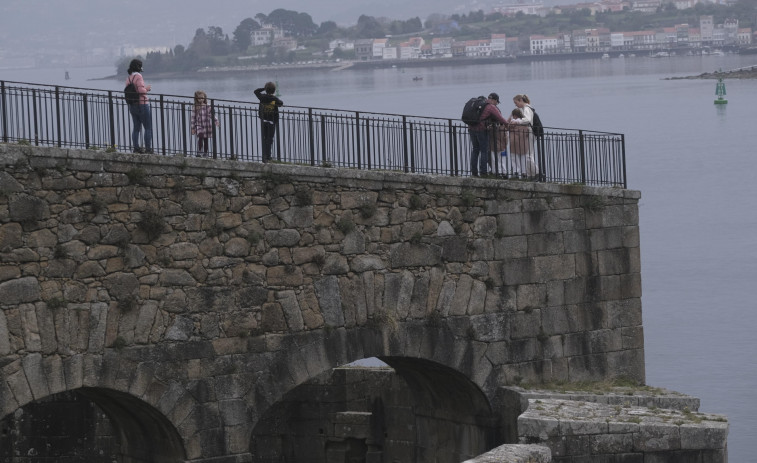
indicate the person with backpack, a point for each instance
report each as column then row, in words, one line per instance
column 268, row 112
column 479, row 135
column 526, row 165
column 139, row 107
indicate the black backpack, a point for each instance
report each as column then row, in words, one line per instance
column 473, row 109
column 536, row 124
column 131, row 95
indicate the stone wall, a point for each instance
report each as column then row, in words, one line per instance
column 203, row 291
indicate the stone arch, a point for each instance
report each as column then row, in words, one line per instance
column 140, row 433
column 418, row 410
column 146, row 434
column 153, row 414
column 444, row 368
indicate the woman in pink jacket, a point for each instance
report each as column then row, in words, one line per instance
column 140, row 112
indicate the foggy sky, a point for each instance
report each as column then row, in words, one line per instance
column 88, row 23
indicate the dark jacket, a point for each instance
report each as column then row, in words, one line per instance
column 269, row 106
column 489, row 114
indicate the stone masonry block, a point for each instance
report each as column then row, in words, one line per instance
column 657, row 437
column 525, row 325
column 543, row 244
column 510, row 224
column 35, row 375
column 54, row 374
column 706, row 435
column 18, row 291
column 5, row 345
column 555, row 320
column 537, row 427
column 614, row 261
column 581, row 427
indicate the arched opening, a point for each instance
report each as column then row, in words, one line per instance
column 89, row 424
column 413, row 411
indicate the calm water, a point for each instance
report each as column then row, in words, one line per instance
column 693, row 161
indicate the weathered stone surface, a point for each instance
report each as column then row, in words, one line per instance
column 282, row 238
column 588, row 426
column 515, row 453
column 249, row 291
column 329, row 300
column 10, row 236
column 415, row 255
column 21, row 290
column 25, row 208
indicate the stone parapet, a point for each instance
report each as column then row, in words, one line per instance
column 613, row 426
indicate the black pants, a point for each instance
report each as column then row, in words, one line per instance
column 267, row 131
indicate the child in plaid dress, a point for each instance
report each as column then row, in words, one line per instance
column 202, row 120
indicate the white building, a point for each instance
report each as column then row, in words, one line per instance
column 706, row 28
column 441, row 46
column 266, row 34
column 498, row 45
column 478, row 48
column 378, row 48
column 543, row 45
column 341, row 44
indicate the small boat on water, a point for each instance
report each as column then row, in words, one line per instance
column 417, row 78
column 606, row 56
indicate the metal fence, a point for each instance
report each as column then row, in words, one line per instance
column 46, row 115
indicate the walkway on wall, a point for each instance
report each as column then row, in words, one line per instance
column 44, row 115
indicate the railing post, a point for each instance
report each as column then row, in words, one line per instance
column 582, row 155
column 405, row 161
column 453, row 148
column 323, row 139
column 162, row 128
column 184, row 143
column 311, row 136
column 5, row 112
column 540, row 142
column 357, row 136
column 35, row 118
column 231, row 131
column 113, row 121
column 412, row 148
column 57, row 115
column 623, row 159
column 213, row 128
column 368, row 151
column 86, row 119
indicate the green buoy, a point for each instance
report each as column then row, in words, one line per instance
column 720, row 92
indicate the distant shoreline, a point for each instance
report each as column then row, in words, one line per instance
column 359, row 65
column 331, row 66
column 750, row 73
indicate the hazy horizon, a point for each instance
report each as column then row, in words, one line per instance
column 91, row 24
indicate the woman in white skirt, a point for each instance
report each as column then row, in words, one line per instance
column 524, row 164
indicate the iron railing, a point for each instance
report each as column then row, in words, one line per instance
column 71, row 117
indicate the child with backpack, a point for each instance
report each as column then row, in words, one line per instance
column 202, row 122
